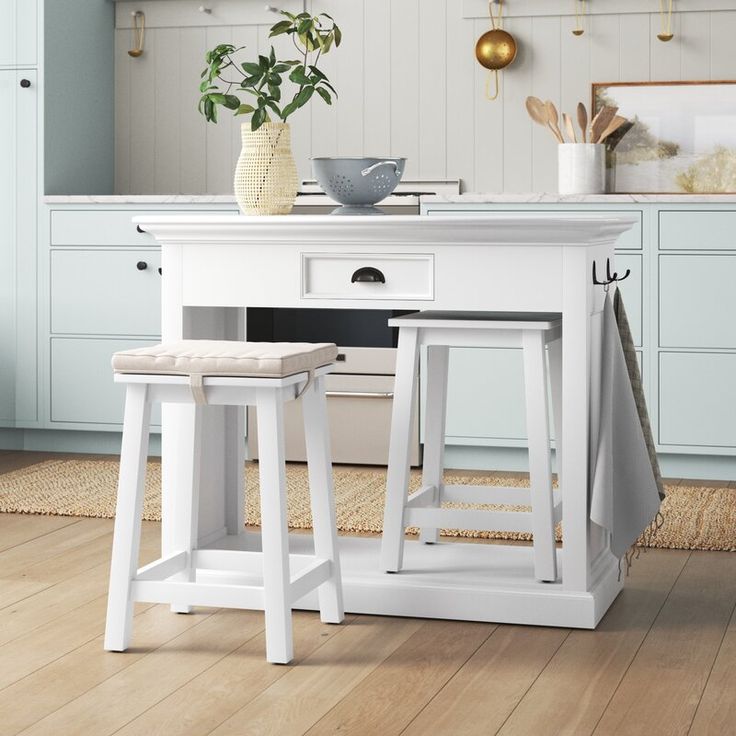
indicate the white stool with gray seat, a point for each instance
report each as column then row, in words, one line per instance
column 536, row 334
column 226, row 373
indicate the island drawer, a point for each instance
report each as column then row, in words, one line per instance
column 374, row 276
column 704, row 230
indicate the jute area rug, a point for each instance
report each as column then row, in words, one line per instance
column 695, row 517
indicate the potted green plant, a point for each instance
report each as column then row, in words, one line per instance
column 265, row 175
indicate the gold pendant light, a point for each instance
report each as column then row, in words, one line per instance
column 665, row 17
column 495, row 49
column 580, row 11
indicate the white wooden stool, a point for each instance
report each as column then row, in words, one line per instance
column 228, row 373
column 439, row 331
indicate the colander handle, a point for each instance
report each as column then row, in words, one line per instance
column 370, row 169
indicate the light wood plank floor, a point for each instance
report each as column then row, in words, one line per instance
column 663, row 660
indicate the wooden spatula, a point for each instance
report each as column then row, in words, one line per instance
column 600, row 122
column 569, row 128
column 613, row 126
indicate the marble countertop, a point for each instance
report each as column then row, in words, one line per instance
column 469, row 198
column 541, row 198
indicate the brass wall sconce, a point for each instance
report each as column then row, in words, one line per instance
column 665, row 17
column 139, row 30
column 580, row 13
column 495, row 49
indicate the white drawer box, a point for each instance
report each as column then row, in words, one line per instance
column 106, row 227
column 402, row 276
column 103, row 292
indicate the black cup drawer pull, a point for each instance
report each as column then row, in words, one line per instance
column 141, row 265
column 368, row 274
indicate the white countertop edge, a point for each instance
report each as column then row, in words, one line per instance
column 539, row 198
column 308, row 200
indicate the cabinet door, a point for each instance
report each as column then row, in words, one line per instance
column 17, row 246
column 18, row 30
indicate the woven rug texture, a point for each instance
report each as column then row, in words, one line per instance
column 695, row 517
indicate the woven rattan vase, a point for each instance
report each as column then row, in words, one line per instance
column 265, row 177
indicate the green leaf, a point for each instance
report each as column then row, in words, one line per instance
column 325, row 15
column 274, row 107
column 231, row 102
column 259, row 117
column 279, row 28
column 324, row 94
column 338, row 36
column 281, row 67
column 288, row 110
column 304, row 96
column 251, row 68
column 299, row 77
column 263, row 62
column 274, row 79
column 305, row 26
column 251, row 81
column 317, row 73
column 245, row 110
column 275, row 92
column 206, row 86
column 218, row 99
column 272, row 58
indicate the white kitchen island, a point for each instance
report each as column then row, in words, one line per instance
column 216, row 266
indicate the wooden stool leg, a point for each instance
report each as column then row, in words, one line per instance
column 540, row 467
column 187, row 499
column 126, row 540
column 434, row 431
column 397, row 481
column 322, row 498
column 274, row 530
column 554, row 354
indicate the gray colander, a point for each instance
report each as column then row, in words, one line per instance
column 358, row 181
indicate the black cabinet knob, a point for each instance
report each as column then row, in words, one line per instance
column 140, row 229
column 160, row 272
column 368, row 274
column 141, row 265
column 25, row 83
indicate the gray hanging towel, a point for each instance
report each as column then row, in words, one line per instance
column 625, row 494
column 632, row 366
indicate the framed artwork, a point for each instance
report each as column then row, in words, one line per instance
column 680, row 139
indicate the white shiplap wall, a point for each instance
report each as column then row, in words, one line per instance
column 409, row 85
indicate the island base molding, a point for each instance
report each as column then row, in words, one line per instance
column 486, row 582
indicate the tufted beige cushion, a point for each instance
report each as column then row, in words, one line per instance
column 226, row 358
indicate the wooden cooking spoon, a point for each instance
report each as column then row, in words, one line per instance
column 554, row 120
column 537, row 111
column 583, row 120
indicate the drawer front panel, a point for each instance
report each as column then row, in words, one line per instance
column 107, row 227
column 630, row 240
column 82, row 387
column 329, row 276
column 632, row 290
column 697, row 301
column 697, row 399
column 697, row 230
column 104, row 293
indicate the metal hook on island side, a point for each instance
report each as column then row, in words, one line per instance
column 610, row 277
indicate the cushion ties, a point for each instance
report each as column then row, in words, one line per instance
column 310, row 381
column 197, row 387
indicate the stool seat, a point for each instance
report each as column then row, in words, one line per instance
column 226, row 358
column 480, row 320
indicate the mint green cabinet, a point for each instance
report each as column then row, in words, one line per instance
column 18, row 193
column 82, row 387
column 18, row 33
